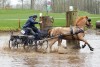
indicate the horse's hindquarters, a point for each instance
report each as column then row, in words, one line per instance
column 72, row 41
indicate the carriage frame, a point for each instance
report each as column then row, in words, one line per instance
column 27, row 40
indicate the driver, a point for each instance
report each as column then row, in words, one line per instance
column 29, row 26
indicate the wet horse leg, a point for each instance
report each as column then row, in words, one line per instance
column 84, row 45
column 51, row 42
column 87, row 44
column 59, row 42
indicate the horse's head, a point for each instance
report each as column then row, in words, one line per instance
column 88, row 23
column 84, row 21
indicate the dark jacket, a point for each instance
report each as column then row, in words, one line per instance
column 30, row 23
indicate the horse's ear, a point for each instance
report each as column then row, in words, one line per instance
column 86, row 17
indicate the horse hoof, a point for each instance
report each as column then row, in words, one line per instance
column 83, row 46
column 91, row 49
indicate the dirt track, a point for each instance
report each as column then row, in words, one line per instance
column 75, row 58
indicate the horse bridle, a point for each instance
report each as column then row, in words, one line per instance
column 88, row 20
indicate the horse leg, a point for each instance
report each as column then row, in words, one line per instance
column 84, row 45
column 51, row 42
column 59, row 43
column 87, row 44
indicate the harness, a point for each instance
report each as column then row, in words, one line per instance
column 79, row 30
column 72, row 32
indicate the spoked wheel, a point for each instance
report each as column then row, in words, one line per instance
column 13, row 44
column 42, row 45
column 30, row 42
column 31, row 45
column 10, row 42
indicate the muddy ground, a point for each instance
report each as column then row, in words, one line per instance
column 74, row 58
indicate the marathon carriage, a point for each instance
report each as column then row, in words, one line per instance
column 32, row 41
column 27, row 40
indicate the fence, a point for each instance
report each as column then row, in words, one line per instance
column 10, row 24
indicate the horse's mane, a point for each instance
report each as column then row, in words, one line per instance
column 80, row 18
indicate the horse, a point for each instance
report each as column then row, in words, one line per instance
column 71, row 33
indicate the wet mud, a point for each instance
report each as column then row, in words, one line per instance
column 74, row 58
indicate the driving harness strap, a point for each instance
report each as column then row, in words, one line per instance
column 71, row 32
column 79, row 30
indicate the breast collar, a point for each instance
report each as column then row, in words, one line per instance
column 79, row 30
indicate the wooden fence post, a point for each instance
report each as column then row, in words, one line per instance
column 71, row 17
column 19, row 27
column 46, row 22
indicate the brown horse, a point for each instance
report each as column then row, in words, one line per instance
column 71, row 33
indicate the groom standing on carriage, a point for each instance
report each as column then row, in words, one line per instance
column 29, row 27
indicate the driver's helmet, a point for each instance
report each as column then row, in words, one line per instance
column 34, row 16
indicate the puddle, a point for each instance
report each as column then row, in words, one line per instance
column 77, row 58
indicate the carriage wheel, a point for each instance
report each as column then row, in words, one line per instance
column 13, row 44
column 9, row 44
column 43, row 45
column 29, row 44
column 35, row 44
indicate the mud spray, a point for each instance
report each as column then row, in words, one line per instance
column 73, row 58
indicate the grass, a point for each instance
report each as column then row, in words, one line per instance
column 7, row 24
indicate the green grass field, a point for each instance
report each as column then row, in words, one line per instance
column 9, row 18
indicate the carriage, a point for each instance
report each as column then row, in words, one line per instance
column 32, row 41
column 27, row 40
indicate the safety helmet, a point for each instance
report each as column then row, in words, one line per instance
column 34, row 16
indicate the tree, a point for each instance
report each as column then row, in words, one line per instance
column 22, row 1
column 32, row 4
column 3, row 3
